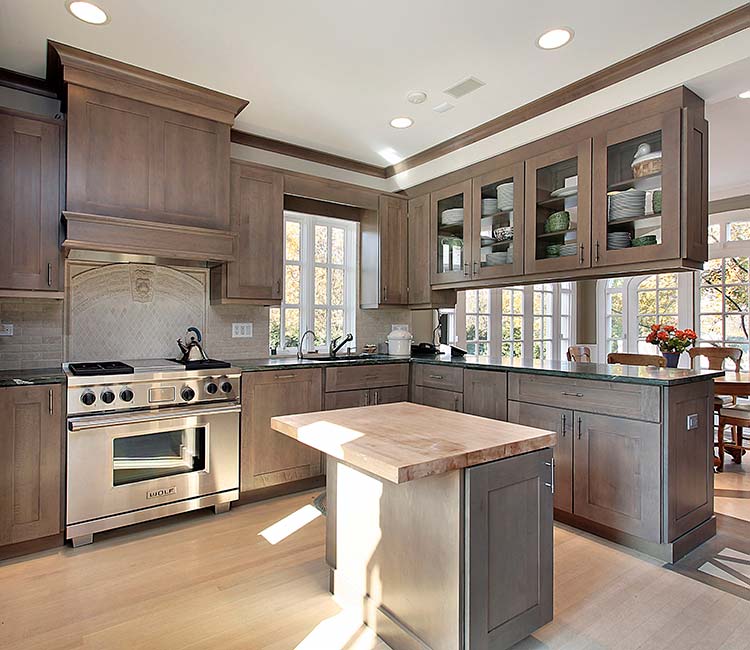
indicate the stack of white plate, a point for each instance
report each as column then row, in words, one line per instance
column 570, row 236
column 631, row 203
column 505, row 196
column 566, row 250
column 618, row 240
column 563, row 192
column 494, row 259
column 452, row 217
column 489, row 206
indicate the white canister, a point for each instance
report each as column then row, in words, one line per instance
column 399, row 341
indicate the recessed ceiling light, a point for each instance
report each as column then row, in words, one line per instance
column 744, row 95
column 88, row 12
column 417, row 97
column 554, row 38
column 401, row 122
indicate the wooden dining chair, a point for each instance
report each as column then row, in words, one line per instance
column 579, row 354
column 636, row 359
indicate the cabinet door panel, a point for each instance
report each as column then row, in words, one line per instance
column 389, row 395
column 30, row 463
column 29, row 203
column 486, row 393
column 561, row 422
column 442, row 399
column 268, row 457
column 618, row 474
column 347, row 399
column 393, row 250
column 451, row 222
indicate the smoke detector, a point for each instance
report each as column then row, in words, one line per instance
column 417, row 97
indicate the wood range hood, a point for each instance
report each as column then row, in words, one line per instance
column 147, row 160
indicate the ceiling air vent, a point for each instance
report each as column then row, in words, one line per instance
column 462, row 88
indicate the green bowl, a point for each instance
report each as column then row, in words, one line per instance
column 657, row 201
column 646, row 240
column 557, row 221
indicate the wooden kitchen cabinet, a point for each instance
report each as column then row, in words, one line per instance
column 30, row 202
column 367, row 385
column 383, row 254
column 370, row 397
column 269, row 458
column 486, row 393
column 421, row 294
column 31, row 463
column 441, row 399
column 451, row 224
column 257, row 216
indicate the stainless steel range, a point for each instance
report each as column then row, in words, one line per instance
column 147, row 439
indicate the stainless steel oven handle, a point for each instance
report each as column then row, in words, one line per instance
column 93, row 422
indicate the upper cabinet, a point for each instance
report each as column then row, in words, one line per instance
column 558, row 209
column 451, row 217
column 30, row 169
column 257, row 216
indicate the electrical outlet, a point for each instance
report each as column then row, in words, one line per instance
column 692, row 421
column 6, row 329
column 242, row 330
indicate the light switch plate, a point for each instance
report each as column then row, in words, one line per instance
column 242, row 330
column 6, row 329
column 692, row 421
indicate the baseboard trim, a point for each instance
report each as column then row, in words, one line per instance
column 261, row 494
column 31, row 546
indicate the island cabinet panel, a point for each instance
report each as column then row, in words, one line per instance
column 486, row 394
column 136, row 160
column 441, row 399
column 508, row 549
column 618, row 474
column 29, row 203
column 561, row 422
column 637, row 401
column 31, row 463
column 267, row 457
column 257, row 216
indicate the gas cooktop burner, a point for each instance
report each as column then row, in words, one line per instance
column 202, row 364
column 100, row 368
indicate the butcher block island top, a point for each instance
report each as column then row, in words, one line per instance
column 404, row 441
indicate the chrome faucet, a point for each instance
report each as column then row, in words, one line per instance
column 300, row 354
column 336, row 346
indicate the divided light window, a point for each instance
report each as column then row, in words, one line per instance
column 320, row 262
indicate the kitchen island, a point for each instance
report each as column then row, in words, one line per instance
column 439, row 523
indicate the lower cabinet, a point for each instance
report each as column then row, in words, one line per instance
column 486, row 394
column 31, row 463
column 366, row 397
column 441, row 399
column 269, row 458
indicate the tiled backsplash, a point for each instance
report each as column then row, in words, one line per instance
column 120, row 311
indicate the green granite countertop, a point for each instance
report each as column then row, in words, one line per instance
column 596, row 371
column 31, row 377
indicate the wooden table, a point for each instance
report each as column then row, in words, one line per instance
column 735, row 384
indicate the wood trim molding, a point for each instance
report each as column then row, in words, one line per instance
column 693, row 39
column 26, row 83
column 321, row 208
column 66, row 64
column 305, row 153
column 729, row 204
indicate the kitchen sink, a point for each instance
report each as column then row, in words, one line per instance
column 339, row 357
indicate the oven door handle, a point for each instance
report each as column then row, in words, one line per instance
column 94, row 422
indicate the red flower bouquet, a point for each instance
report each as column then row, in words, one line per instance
column 670, row 339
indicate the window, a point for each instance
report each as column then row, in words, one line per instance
column 657, row 303
column 498, row 322
column 319, row 282
column 614, row 315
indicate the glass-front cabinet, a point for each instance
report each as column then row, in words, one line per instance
column 558, row 209
column 497, row 233
column 636, row 189
column 451, row 216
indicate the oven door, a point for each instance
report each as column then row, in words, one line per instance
column 125, row 462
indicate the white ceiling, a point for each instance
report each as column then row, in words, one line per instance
column 330, row 75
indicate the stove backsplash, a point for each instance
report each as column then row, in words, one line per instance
column 120, row 311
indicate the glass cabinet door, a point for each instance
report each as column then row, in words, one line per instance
column 497, row 233
column 636, row 192
column 451, row 231
column 558, row 209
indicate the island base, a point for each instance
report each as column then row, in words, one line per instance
column 460, row 560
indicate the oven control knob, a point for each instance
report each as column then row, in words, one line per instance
column 187, row 393
column 126, row 395
column 226, row 387
column 108, row 396
column 211, row 388
column 88, row 397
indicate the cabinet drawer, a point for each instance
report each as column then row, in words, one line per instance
column 435, row 376
column 441, row 399
column 374, row 376
column 346, row 399
column 636, row 401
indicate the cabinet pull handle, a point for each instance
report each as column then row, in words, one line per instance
column 377, row 397
column 435, row 376
column 51, row 403
column 581, row 258
column 475, row 268
column 551, row 484
column 563, row 425
column 278, row 287
column 49, row 274
column 466, row 269
column 291, row 376
column 572, row 394
column 579, row 428
column 455, row 403
column 367, row 398
column 385, row 293
column 596, row 257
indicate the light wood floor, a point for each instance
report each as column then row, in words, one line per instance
column 207, row 582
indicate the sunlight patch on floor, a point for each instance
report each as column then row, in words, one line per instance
column 342, row 631
column 730, row 565
column 290, row 524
